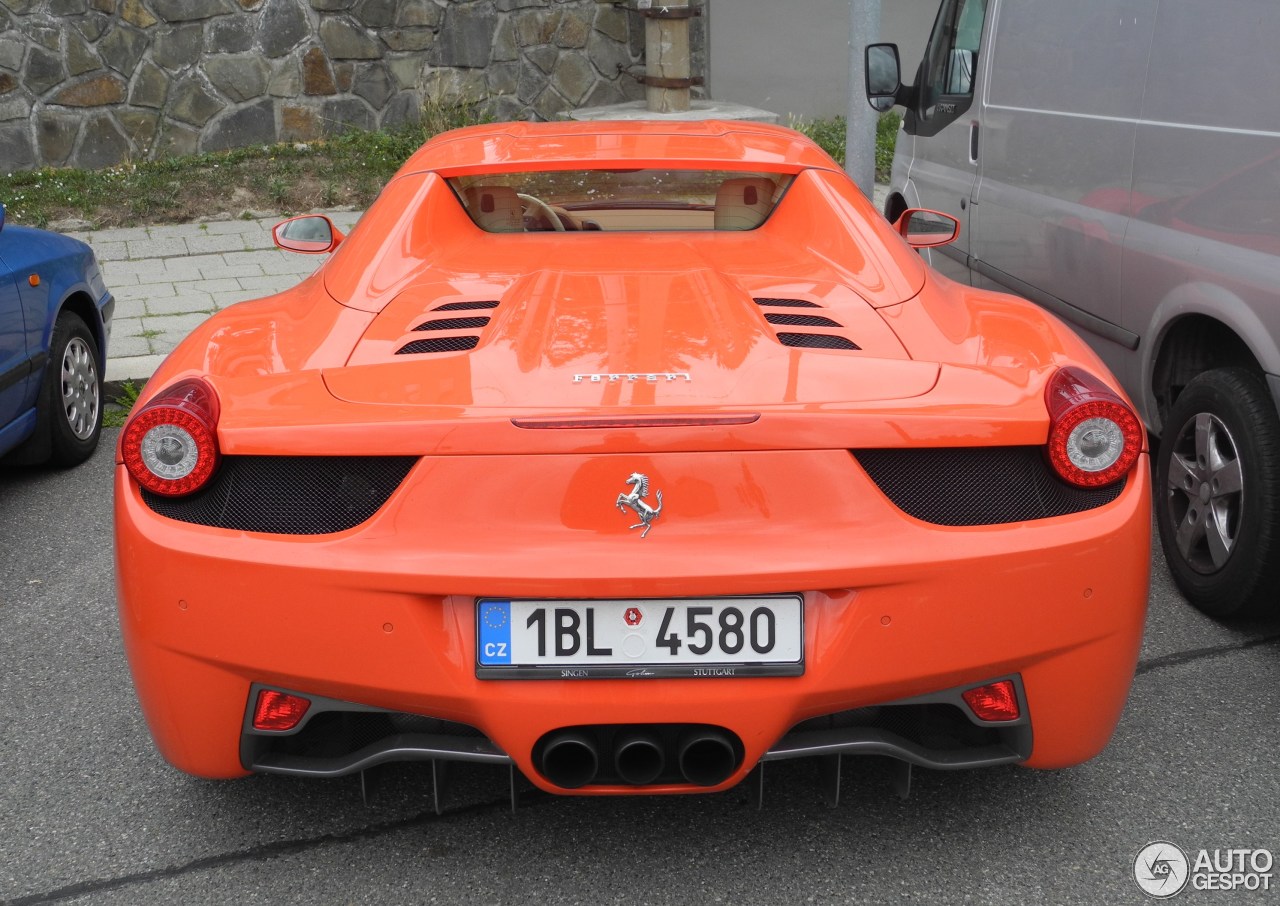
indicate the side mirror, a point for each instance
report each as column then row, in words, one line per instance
column 883, row 75
column 311, row 234
column 924, row 229
column 1, row 216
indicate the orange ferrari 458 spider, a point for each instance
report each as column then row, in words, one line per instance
column 632, row 456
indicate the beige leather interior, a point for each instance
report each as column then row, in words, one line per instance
column 743, row 203
column 495, row 209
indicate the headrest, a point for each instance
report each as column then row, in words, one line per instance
column 743, row 203
column 495, row 209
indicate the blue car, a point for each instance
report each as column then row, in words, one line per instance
column 55, row 317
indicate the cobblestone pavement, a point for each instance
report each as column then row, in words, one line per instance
column 168, row 279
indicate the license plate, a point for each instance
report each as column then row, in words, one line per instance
column 689, row 637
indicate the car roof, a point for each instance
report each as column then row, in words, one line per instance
column 506, row 147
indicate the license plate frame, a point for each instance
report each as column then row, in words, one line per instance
column 495, row 618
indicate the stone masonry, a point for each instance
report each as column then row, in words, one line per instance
column 93, row 83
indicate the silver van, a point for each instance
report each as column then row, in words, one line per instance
column 1118, row 162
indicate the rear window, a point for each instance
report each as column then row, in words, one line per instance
column 613, row 200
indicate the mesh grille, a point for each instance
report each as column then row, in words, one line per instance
column 787, row 303
column 933, row 726
column 800, row 320
column 289, row 495
column 977, row 485
column 453, row 324
column 467, row 306
column 439, row 344
column 816, row 341
column 335, row 734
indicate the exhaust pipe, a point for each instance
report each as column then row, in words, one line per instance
column 569, row 760
column 707, row 757
column 638, row 758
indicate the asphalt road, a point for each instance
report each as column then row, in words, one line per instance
column 89, row 813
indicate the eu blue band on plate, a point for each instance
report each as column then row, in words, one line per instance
column 495, row 632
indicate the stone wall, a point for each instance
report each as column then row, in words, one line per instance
column 92, row 83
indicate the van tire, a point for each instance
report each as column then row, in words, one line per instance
column 1222, row 430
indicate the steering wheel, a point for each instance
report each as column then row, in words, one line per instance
column 544, row 209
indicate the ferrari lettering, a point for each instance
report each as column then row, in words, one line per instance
column 647, row 377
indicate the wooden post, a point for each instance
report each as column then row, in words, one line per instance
column 666, row 56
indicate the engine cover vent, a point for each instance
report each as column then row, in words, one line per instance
column 816, row 341
column 787, row 303
column 468, row 306
column 439, row 344
column 453, row 324
column 800, row 320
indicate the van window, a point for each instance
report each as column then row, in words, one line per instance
column 950, row 64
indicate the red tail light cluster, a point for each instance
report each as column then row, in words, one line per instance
column 170, row 446
column 994, row 701
column 1094, row 437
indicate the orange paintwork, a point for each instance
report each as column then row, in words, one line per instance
column 384, row 614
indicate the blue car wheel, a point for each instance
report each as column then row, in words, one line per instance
column 72, row 393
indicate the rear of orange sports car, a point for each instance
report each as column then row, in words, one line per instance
column 632, row 456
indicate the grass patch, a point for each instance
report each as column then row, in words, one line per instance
column 116, row 412
column 347, row 169
column 830, row 135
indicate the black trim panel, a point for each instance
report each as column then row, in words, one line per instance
column 20, row 372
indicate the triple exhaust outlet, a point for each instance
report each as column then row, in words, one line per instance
column 573, row 758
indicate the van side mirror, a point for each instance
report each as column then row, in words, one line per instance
column 883, row 76
column 925, row 229
column 311, row 234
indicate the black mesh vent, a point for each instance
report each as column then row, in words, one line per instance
column 816, row 341
column 289, row 495
column 453, row 324
column 439, row 344
column 800, row 320
column 787, row 303
column 931, row 726
column 338, row 733
column 467, row 306
column 978, row 485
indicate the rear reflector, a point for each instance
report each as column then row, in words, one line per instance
column 994, row 701
column 278, row 710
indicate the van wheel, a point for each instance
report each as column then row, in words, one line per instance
column 1218, row 493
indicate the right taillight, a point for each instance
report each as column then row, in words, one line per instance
column 1094, row 437
column 170, row 446
column 278, row 710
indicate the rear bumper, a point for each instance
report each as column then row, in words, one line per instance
column 384, row 615
column 933, row 731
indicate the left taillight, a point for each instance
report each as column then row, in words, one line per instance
column 170, row 446
column 1094, row 436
